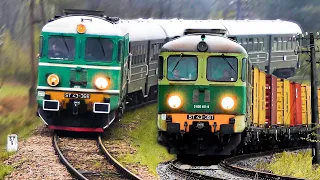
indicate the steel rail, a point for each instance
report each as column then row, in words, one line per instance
column 227, row 165
column 64, row 161
column 124, row 171
column 186, row 174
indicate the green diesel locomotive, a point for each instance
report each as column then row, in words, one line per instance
column 202, row 94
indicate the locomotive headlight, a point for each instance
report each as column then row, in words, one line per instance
column 53, row 80
column 101, row 83
column 174, row 102
column 227, row 103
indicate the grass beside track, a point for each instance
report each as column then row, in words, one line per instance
column 293, row 164
column 15, row 118
column 139, row 130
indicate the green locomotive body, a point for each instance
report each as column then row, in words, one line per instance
column 82, row 66
column 202, row 95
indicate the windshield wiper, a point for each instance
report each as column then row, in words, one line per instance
column 65, row 42
column 225, row 59
column 102, row 47
column 181, row 56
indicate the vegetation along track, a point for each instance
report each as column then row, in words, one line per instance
column 228, row 166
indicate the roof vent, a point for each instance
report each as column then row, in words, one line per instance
column 205, row 31
column 83, row 12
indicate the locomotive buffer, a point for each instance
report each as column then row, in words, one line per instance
column 314, row 93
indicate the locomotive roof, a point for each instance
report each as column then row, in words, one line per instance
column 141, row 30
column 216, row 44
column 94, row 25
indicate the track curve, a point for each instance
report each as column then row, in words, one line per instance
column 81, row 176
column 124, row 171
column 185, row 174
column 227, row 165
column 64, row 161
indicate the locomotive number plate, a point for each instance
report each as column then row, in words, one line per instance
column 200, row 117
column 77, row 95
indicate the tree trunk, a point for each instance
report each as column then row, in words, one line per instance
column 32, row 57
column 43, row 14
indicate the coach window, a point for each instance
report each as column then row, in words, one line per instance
column 275, row 44
column 223, row 69
column 285, row 43
column 61, row 47
column 255, row 44
column 182, row 68
column 250, row 44
column 244, row 43
column 289, row 44
column 99, row 49
column 280, row 44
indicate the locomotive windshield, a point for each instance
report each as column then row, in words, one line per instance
column 99, row 49
column 61, row 47
column 222, row 69
column 182, row 68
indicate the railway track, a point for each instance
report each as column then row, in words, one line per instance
column 226, row 169
column 228, row 166
column 174, row 168
column 121, row 171
column 115, row 170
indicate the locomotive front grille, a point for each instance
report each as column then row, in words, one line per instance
column 76, row 74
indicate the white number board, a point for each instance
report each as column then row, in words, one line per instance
column 12, row 143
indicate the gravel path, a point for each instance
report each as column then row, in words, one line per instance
column 36, row 159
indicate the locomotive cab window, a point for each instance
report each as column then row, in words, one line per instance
column 99, row 49
column 61, row 47
column 182, row 68
column 223, row 69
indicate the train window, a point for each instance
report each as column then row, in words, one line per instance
column 244, row 43
column 160, row 67
column 182, row 68
column 223, row 69
column 256, row 44
column 99, row 49
column 250, row 44
column 285, row 43
column 263, row 48
column 244, row 70
column 275, row 44
column 289, row 44
column 280, row 44
column 61, row 47
column 294, row 44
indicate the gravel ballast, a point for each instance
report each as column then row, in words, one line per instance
column 36, row 159
column 213, row 171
